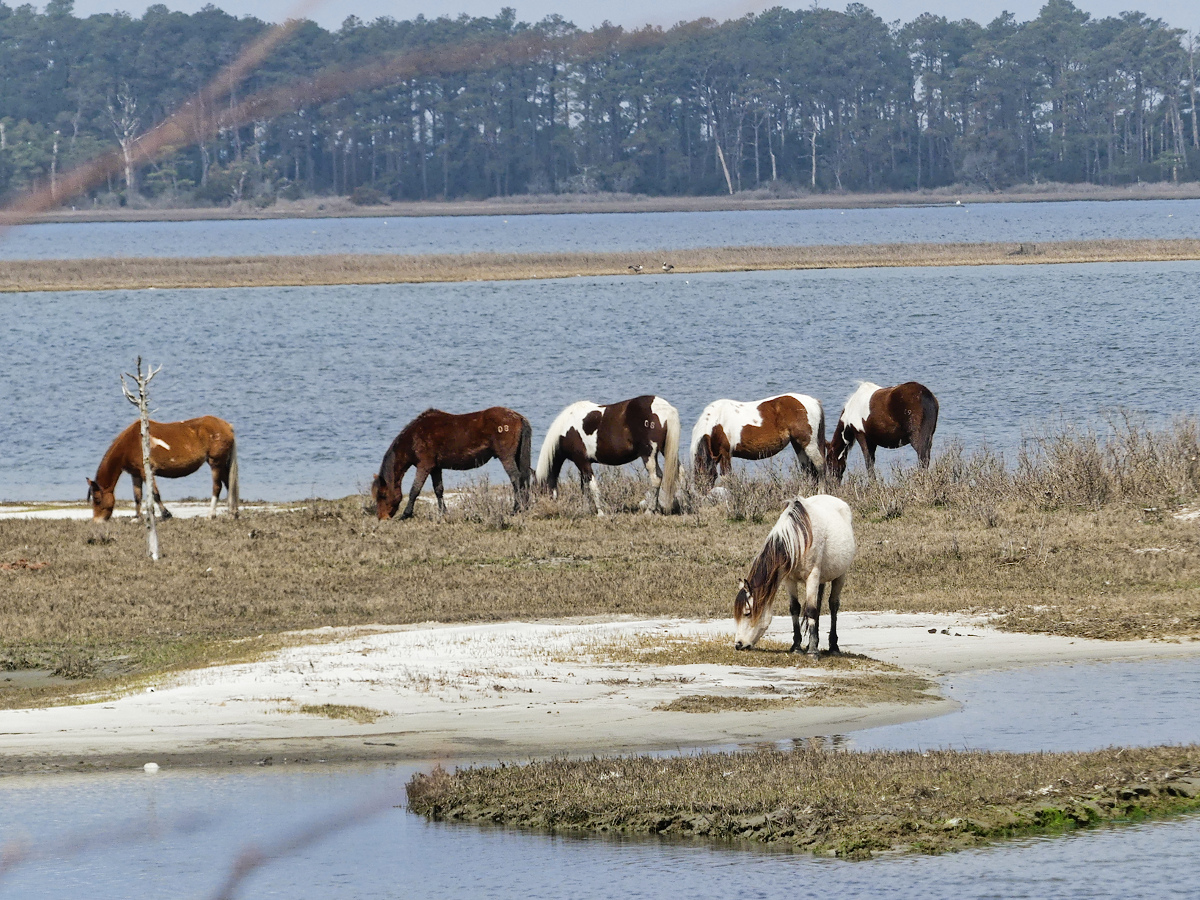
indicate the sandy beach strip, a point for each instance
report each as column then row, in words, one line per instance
column 506, row 691
column 291, row 271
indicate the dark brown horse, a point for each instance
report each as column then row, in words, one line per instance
column 614, row 435
column 883, row 417
column 757, row 430
column 176, row 449
column 437, row 440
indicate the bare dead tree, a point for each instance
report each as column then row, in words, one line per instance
column 125, row 124
column 142, row 401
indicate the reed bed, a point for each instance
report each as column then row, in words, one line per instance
column 268, row 271
column 1081, row 535
column 852, row 804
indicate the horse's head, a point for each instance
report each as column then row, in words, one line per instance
column 102, row 501
column 836, row 452
column 751, row 617
column 386, row 501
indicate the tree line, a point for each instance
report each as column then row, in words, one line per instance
column 811, row 98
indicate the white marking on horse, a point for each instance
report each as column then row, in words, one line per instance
column 858, row 407
column 159, row 442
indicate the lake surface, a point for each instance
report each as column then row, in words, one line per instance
column 594, row 232
column 317, row 381
column 177, row 834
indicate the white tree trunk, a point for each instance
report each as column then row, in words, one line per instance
column 142, row 401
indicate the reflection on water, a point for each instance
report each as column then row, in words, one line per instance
column 597, row 232
column 201, row 822
column 317, row 381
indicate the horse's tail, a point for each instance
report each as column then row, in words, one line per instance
column 929, row 417
column 233, row 491
column 821, row 433
column 524, row 450
column 549, row 451
column 702, row 458
column 670, row 451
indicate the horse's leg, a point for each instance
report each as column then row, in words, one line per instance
column 513, row 471
column 587, row 479
column 835, row 601
column 437, row 490
column 807, row 466
column 218, row 478
column 813, row 593
column 137, row 495
column 868, row 452
column 655, row 474
column 418, row 483
column 795, row 608
column 166, row 513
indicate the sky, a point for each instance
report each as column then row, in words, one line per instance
column 633, row 13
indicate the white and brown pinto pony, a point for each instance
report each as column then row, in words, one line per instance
column 613, row 435
column 757, row 430
column 437, row 440
column 176, row 449
column 883, row 417
column 810, row 546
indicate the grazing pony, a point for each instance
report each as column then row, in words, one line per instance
column 883, row 417
column 756, row 430
column 811, row 544
column 437, row 440
column 614, row 435
column 176, row 449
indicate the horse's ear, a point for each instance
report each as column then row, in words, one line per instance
column 91, row 486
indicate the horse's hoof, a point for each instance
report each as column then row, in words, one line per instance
column 166, row 515
column 796, row 648
column 814, row 655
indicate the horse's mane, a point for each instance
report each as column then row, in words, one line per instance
column 785, row 544
column 387, row 467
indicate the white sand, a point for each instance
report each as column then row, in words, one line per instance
column 510, row 690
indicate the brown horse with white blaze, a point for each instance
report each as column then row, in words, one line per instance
column 613, row 435
column 176, row 449
column 437, row 440
column 883, row 417
column 757, row 430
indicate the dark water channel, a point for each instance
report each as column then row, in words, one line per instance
column 594, row 232
column 318, row 380
column 198, row 823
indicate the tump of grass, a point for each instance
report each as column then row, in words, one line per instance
column 852, row 804
column 363, row 715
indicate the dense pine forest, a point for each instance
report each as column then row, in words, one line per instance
column 807, row 99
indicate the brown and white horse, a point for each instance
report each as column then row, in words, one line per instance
column 812, row 545
column 883, row 417
column 757, row 430
column 437, row 440
column 176, row 449
column 614, row 435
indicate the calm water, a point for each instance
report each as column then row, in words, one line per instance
column 1077, row 220
column 317, row 381
column 198, row 823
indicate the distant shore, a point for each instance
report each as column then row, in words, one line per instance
column 558, row 204
column 292, row 271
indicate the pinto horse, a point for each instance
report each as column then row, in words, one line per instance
column 883, row 417
column 437, row 440
column 614, row 435
column 176, row 449
column 812, row 545
column 757, row 430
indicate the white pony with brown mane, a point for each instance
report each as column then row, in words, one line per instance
column 756, row 430
column 811, row 545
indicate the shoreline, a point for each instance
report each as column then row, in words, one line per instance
column 508, row 691
column 20, row 276
column 558, row 204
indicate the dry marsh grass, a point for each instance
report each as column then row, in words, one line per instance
column 852, row 804
column 855, row 690
column 264, row 271
column 1078, row 539
column 363, row 715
